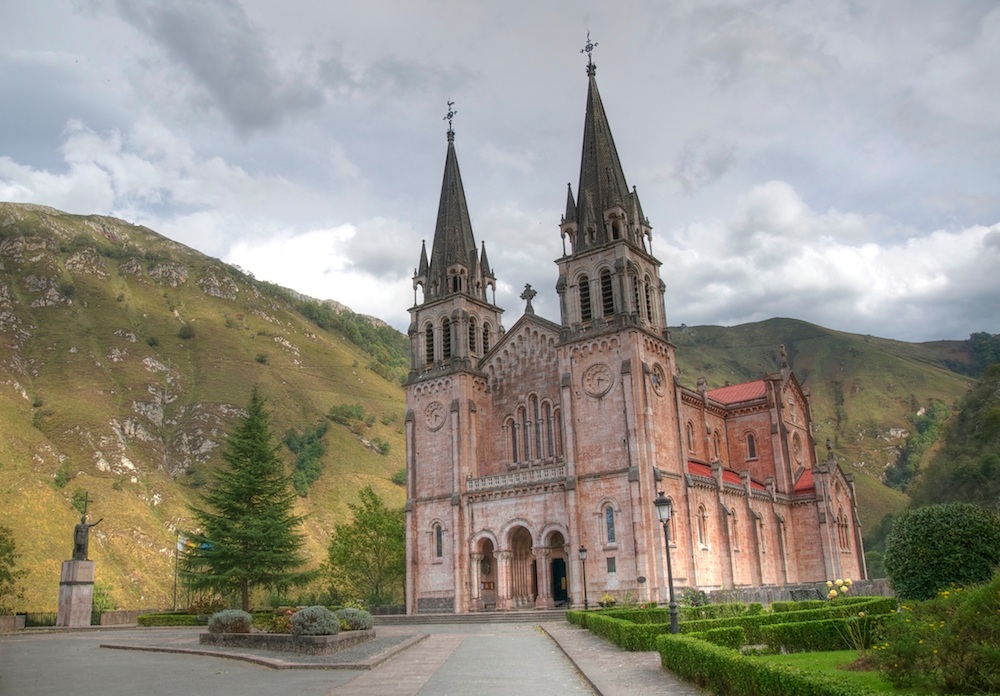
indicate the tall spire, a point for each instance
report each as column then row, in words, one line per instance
column 602, row 181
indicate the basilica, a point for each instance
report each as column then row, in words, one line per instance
column 534, row 454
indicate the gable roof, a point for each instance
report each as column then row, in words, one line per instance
column 728, row 475
column 739, row 392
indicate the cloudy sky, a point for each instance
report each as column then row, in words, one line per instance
column 835, row 161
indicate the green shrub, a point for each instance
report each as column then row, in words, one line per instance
column 354, row 619
column 950, row 644
column 725, row 671
column 186, row 332
column 799, row 605
column 851, row 633
column 733, row 637
column 932, row 547
column 230, row 621
column 168, row 619
column 315, row 621
column 693, row 597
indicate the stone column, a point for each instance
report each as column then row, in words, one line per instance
column 476, row 602
column 76, row 593
column 544, row 599
column 503, row 579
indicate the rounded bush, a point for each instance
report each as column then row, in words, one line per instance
column 315, row 621
column 229, row 621
column 930, row 548
column 354, row 619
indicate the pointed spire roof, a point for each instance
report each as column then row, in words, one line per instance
column 422, row 269
column 484, row 264
column 602, row 181
column 453, row 239
column 570, row 215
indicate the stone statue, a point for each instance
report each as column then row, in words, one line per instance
column 81, row 538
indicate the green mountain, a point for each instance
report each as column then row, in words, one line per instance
column 124, row 357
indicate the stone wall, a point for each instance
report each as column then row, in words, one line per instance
column 284, row 642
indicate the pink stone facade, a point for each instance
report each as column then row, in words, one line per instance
column 525, row 445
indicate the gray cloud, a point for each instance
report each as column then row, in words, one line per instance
column 215, row 43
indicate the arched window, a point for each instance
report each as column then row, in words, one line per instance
column 702, row 526
column 550, row 449
column 649, row 301
column 751, row 446
column 429, row 343
column 607, row 295
column 438, row 541
column 690, row 437
column 486, row 337
column 557, row 426
column 536, row 417
column 636, row 305
column 585, row 311
column 609, row 523
column 525, row 433
column 616, row 230
column 446, row 339
column 473, row 333
column 512, row 425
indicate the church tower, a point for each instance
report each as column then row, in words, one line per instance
column 452, row 326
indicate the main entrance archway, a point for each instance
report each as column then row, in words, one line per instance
column 522, row 572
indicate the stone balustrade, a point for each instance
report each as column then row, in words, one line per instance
column 516, row 478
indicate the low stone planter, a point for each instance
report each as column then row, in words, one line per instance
column 284, row 642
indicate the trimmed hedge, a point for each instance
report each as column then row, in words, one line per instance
column 171, row 619
column 850, row 633
column 752, row 624
column 725, row 671
column 707, row 611
column 733, row 637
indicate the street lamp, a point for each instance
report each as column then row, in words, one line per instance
column 662, row 504
column 583, row 566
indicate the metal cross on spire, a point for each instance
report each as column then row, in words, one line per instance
column 450, row 115
column 589, row 50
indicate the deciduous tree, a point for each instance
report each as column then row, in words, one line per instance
column 10, row 575
column 368, row 555
column 249, row 533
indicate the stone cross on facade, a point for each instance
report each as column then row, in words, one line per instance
column 527, row 296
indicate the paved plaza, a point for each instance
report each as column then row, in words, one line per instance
column 509, row 659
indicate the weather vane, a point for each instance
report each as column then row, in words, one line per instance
column 450, row 115
column 589, row 49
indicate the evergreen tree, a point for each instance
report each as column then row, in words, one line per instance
column 10, row 575
column 249, row 533
column 368, row 555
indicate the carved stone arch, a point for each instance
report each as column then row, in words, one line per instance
column 553, row 528
column 479, row 536
column 509, row 526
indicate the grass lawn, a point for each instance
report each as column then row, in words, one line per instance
column 833, row 663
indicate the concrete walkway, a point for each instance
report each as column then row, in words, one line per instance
column 426, row 660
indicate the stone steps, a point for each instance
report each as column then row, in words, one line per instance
column 482, row 617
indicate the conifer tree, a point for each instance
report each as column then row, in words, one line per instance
column 249, row 534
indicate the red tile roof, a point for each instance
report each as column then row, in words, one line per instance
column 805, row 484
column 728, row 475
column 739, row 392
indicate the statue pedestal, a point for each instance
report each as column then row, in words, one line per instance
column 76, row 593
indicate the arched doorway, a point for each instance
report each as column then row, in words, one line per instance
column 484, row 577
column 557, row 563
column 522, row 571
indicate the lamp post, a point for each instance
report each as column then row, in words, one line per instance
column 583, row 567
column 662, row 504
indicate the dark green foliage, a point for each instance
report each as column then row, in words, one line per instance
column 345, row 413
column 381, row 445
column 152, row 341
column 261, row 358
column 693, row 597
column 984, row 350
column 308, row 449
column 724, row 671
column 932, row 547
column 249, row 534
column 733, row 637
column 950, row 644
column 62, row 476
column 169, row 619
column 79, row 500
column 389, row 348
column 367, row 557
column 229, row 621
column 10, row 575
column 352, row 619
column 967, row 467
column 186, row 332
column 927, row 426
column 851, row 633
column 399, row 478
column 315, row 621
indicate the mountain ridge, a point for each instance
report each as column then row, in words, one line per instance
column 125, row 356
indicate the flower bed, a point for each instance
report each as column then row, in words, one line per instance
column 284, row 642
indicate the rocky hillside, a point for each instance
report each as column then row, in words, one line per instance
column 124, row 357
